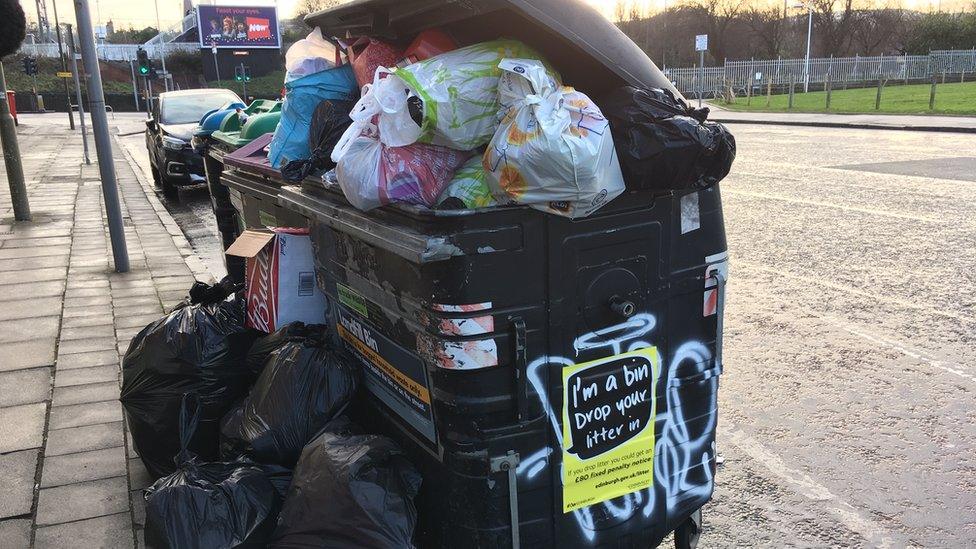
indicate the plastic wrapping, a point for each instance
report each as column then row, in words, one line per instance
column 329, row 122
column 468, row 189
column 304, row 385
column 259, row 352
column 350, row 491
column 664, row 144
column 198, row 348
column 213, row 505
column 367, row 54
column 459, row 95
column 552, row 150
column 302, row 96
column 310, row 55
column 372, row 174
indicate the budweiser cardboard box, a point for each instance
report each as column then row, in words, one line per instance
column 280, row 278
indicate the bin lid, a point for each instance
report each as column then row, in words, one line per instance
column 590, row 52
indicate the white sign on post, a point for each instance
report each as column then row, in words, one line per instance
column 701, row 42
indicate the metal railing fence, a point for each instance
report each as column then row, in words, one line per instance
column 841, row 71
column 113, row 52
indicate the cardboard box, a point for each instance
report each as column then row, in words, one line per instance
column 280, row 278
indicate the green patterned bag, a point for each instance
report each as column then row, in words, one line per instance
column 459, row 91
column 469, row 186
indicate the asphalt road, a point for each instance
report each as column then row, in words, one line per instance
column 847, row 413
column 847, row 410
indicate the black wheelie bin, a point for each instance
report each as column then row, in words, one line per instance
column 555, row 380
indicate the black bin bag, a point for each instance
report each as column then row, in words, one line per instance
column 305, row 383
column 665, row 145
column 329, row 121
column 349, row 490
column 213, row 505
column 259, row 352
column 200, row 347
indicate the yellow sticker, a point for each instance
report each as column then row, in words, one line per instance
column 608, row 427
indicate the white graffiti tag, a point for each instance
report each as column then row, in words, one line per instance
column 677, row 451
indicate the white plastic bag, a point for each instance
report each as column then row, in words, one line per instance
column 372, row 174
column 382, row 104
column 359, row 172
column 552, row 150
column 458, row 90
column 310, row 55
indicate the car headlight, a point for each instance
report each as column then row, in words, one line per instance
column 173, row 143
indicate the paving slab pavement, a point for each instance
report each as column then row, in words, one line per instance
column 910, row 122
column 70, row 475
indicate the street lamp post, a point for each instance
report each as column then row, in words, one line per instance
column 806, row 62
column 806, row 67
column 162, row 47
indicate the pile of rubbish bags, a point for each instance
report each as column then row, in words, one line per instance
column 479, row 126
column 246, row 436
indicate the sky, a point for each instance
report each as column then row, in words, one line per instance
column 141, row 13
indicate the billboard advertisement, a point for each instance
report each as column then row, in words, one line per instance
column 238, row 26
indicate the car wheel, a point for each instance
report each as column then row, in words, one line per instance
column 155, row 175
column 170, row 190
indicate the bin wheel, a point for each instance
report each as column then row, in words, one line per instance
column 170, row 190
column 686, row 535
column 155, row 175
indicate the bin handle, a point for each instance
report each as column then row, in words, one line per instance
column 520, row 370
column 704, row 375
column 719, row 313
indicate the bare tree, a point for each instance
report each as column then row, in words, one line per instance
column 306, row 7
column 719, row 16
column 833, row 22
column 769, row 27
column 879, row 31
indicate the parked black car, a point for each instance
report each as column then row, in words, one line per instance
column 173, row 117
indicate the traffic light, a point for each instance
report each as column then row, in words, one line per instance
column 30, row 66
column 242, row 73
column 143, row 59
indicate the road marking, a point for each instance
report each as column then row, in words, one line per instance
column 855, row 291
column 892, row 344
column 846, row 513
column 939, row 221
column 847, row 326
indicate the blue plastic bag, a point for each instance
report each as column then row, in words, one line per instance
column 290, row 140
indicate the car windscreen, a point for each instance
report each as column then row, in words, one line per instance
column 186, row 109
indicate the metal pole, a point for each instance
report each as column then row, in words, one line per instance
column 103, row 143
column 64, row 67
column 11, row 157
column 932, row 93
column 81, row 105
column 213, row 50
column 244, row 84
column 135, row 85
column 162, row 47
column 806, row 69
column 701, row 84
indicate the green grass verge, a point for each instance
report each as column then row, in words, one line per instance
column 950, row 98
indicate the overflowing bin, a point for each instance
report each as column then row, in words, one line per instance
column 552, row 371
column 221, row 133
column 555, row 380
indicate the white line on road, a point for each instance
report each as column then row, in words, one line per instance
column 955, row 369
column 939, row 221
column 858, row 292
column 846, row 513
